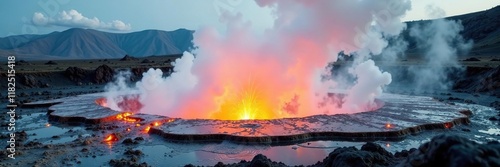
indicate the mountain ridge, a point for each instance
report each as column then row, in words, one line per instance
column 77, row 43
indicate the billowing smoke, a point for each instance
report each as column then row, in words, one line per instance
column 442, row 42
column 244, row 74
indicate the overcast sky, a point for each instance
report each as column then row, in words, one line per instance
column 45, row 16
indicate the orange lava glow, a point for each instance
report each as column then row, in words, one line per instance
column 125, row 116
column 247, row 104
column 147, row 129
column 130, row 119
column 156, row 124
column 111, row 137
column 388, row 125
column 101, row 102
column 128, row 129
column 448, row 125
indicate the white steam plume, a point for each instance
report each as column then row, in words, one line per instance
column 244, row 74
column 442, row 42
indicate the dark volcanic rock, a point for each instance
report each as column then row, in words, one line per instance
column 126, row 163
column 479, row 79
column 129, row 141
column 51, row 63
column 370, row 155
column 76, row 74
column 447, row 150
column 261, row 161
column 495, row 60
column 103, row 74
column 375, row 148
column 29, row 81
column 134, row 152
column 128, row 58
column 22, row 62
column 147, row 61
column 491, row 81
column 472, row 59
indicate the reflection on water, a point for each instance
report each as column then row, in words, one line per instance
column 209, row 154
column 45, row 134
column 491, row 131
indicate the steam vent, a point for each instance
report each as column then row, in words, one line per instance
column 400, row 116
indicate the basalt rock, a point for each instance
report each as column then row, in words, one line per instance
column 103, row 74
column 76, row 74
column 29, row 81
column 447, row 150
column 371, row 154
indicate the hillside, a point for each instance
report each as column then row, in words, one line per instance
column 481, row 27
column 78, row 43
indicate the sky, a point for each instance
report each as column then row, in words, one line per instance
column 121, row 16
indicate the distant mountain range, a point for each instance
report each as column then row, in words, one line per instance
column 482, row 27
column 79, row 43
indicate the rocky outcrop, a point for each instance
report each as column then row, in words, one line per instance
column 371, row 154
column 491, row 81
column 51, row 63
column 147, row 61
column 76, row 74
column 29, row 81
column 480, row 79
column 447, row 150
column 472, row 59
column 128, row 58
column 103, row 74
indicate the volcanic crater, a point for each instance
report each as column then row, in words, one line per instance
column 398, row 117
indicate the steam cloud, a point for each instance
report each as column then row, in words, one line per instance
column 73, row 18
column 278, row 73
column 442, row 42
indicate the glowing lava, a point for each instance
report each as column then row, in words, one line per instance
column 388, row 126
column 246, row 104
column 125, row 116
column 147, row 129
column 111, row 137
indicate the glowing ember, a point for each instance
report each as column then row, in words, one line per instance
column 388, row 126
column 130, row 119
column 147, row 129
column 137, row 125
column 387, row 145
column 156, row 124
column 448, row 125
column 128, row 129
column 125, row 116
column 111, row 137
column 47, row 125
